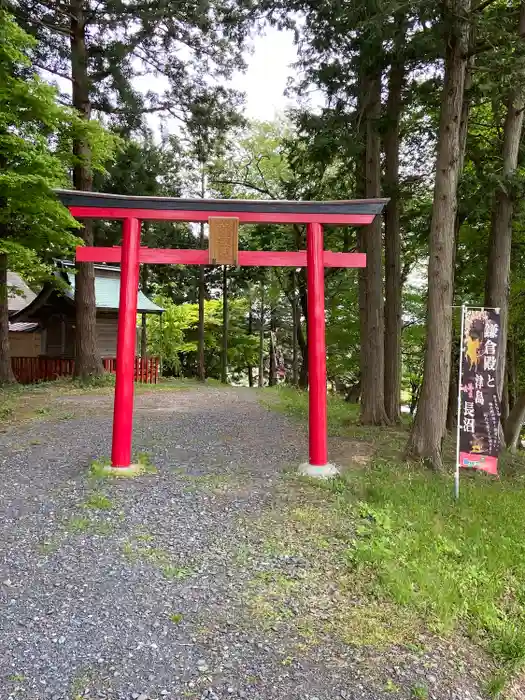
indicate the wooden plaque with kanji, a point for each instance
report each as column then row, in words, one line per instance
column 223, row 240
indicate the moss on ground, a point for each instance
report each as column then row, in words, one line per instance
column 22, row 402
column 139, row 549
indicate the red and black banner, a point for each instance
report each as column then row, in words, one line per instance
column 479, row 416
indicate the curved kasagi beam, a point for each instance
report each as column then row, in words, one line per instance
column 95, row 205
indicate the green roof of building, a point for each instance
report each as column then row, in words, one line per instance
column 107, row 294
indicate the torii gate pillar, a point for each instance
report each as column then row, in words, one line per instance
column 317, row 408
column 132, row 210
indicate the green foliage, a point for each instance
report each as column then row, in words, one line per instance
column 176, row 341
column 31, row 219
column 191, row 45
column 34, row 129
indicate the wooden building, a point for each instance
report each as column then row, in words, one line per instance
column 50, row 315
column 24, row 338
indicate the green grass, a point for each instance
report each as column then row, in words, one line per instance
column 176, row 573
column 16, row 678
column 420, row 692
column 459, row 568
column 457, row 565
column 391, row 687
column 496, row 685
column 98, row 501
column 343, row 419
column 98, row 468
column 80, row 524
column 21, row 402
column 139, row 548
column 77, row 524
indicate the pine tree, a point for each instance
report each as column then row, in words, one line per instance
column 98, row 46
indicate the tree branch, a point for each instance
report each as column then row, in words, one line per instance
column 53, row 72
column 248, row 185
column 482, row 6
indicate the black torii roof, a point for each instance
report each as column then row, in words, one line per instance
column 76, row 198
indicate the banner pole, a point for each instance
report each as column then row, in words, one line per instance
column 460, row 379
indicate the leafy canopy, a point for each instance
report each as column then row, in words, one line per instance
column 34, row 131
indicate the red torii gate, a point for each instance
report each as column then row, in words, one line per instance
column 132, row 210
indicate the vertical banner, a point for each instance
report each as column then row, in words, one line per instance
column 479, row 406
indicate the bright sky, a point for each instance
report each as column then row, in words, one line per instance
column 269, row 67
column 264, row 82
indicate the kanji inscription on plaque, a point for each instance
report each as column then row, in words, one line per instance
column 223, row 240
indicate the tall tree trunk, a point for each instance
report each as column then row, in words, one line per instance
column 505, row 406
column 224, row 358
column 373, row 329
column 87, row 358
column 302, row 339
column 452, row 407
column 272, row 377
column 498, row 265
column 512, row 372
column 261, row 340
column 393, row 285
column 514, row 423
column 202, row 295
column 295, row 323
column 430, row 422
column 460, row 217
column 143, row 337
column 144, row 273
column 6, row 370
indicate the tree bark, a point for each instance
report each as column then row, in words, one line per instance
column 430, row 422
column 224, row 358
column 505, row 406
column 452, row 407
column 514, row 423
column 498, row 265
column 143, row 338
column 512, row 373
column 373, row 338
column 261, row 340
column 272, row 377
column 144, row 328
column 87, row 358
column 6, row 370
column 295, row 323
column 393, row 285
column 302, row 339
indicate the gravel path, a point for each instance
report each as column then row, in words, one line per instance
column 137, row 588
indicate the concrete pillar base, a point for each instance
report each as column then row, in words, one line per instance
column 132, row 470
column 325, row 471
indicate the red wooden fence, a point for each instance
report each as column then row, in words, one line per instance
column 146, row 370
column 30, row 370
